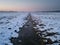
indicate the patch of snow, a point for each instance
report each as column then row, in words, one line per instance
column 7, row 30
column 51, row 20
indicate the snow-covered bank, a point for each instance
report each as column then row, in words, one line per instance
column 10, row 22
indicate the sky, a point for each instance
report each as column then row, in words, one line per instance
column 29, row 5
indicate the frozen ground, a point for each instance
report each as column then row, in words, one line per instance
column 9, row 22
column 50, row 20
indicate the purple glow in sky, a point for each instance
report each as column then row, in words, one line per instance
column 29, row 5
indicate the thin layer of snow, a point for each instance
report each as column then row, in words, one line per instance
column 51, row 20
column 9, row 23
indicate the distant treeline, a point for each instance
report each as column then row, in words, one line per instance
column 48, row 11
column 7, row 11
column 27, row 11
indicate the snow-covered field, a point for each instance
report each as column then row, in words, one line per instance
column 50, row 20
column 9, row 22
